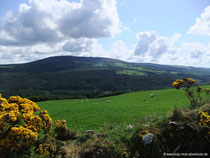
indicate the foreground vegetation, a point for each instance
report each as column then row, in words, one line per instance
column 26, row 130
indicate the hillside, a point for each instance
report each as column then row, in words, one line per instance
column 125, row 109
column 127, row 126
column 78, row 77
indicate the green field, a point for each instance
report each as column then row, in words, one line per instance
column 83, row 114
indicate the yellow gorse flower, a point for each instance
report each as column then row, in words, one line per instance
column 60, row 124
column 177, row 83
column 46, row 149
column 185, row 82
column 47, row 121
column 19, row 137
column 204, row 119
column 19, row 127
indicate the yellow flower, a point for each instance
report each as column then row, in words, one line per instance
column 178, row 83
column 19, row 126
column 16, row 99
column 47, row 121
column 204, row 119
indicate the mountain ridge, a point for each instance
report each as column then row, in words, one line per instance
column 69, row 56
column 63, row 77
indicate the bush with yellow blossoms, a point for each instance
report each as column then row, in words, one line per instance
column 47, row 149
column 185, row 83
column 204, row 119
column 196, row 95
column 62, row 131
column 48, row 146
column 21, row 121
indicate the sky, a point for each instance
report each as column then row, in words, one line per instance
column 172, row 32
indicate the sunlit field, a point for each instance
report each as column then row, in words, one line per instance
column 83, row 114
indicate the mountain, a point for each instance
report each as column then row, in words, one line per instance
column 75, row 77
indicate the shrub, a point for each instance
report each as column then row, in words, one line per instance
column 204, row 119
column 62, row 131
column 21, row 121
column 196, row 95
column 48, row 146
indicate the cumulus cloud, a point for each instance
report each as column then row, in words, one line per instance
column 144, row 39
column 94, row 19
column 83, row 47
column 120, row 51
column 19, row 54
column 202, row 25
column 27, row 27
column 80, row 45
column 189, row 54
column 59, row 26
column 48, row 21
column 151, row 46
column 44, row 28
column 195, row 53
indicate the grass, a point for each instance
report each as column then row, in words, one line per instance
column 84, row 114
column 6, row 66
column 155, row 71
column 138, row 71
column 131, row 72
column 129, row 67
column 121, row 65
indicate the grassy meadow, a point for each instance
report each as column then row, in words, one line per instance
column 85, row 114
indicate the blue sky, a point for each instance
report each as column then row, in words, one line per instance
column 163, row 31
column 164, row 16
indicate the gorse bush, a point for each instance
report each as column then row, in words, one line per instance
column 195, row 94
column 24, row 128
column 21, row 121
column 48, row 146
column 62, row 132
column 204, row 119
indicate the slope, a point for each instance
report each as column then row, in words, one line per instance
column 79, row 77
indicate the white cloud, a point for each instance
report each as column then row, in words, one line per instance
column 48, row 21
column 80, row 45
column 75, row 47
column 83, row 47
column 94, row 19
column 202, row 25
column 195, row 53
column 144, row 39
column 189, row 54
column 120, row 51
column 151, row 47
column 66, row 27
column 46, row 28
column 19, row 54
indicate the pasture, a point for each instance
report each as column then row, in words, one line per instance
column 84, row 114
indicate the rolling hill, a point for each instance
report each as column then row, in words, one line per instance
column 129, row 108
column 79, row 77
